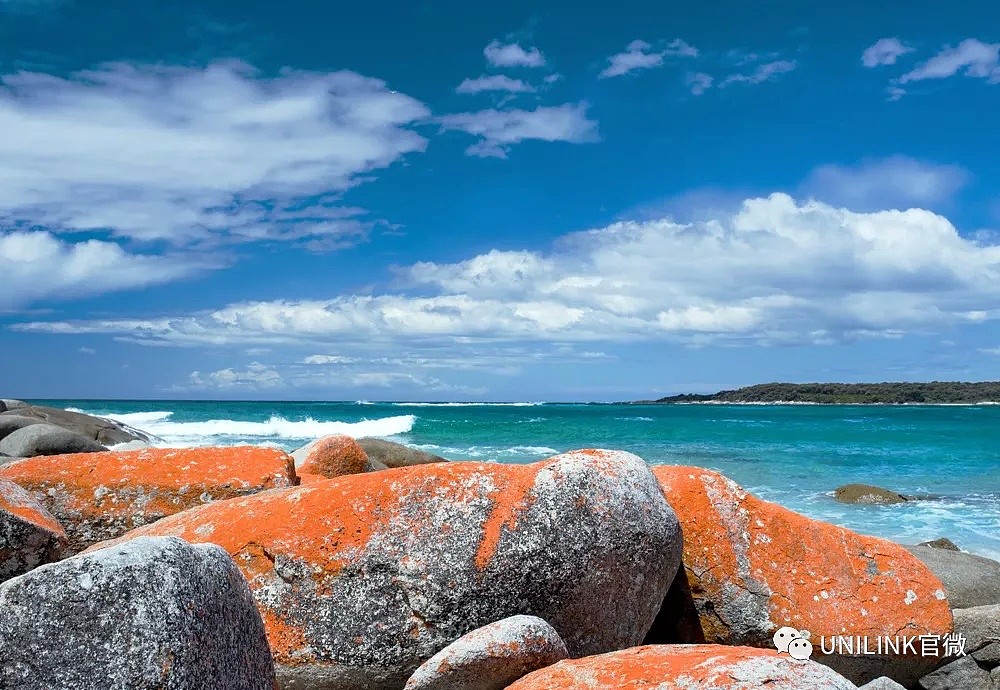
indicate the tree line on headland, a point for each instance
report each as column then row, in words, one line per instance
column 935, row 392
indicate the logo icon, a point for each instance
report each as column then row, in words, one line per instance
column 794, row 643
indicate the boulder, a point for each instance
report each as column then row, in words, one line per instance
column 491, row 657
column 152, row 614
column 866, row 493
column 941, row 543
column 98, row 496
column 46, row 439
column 687, row 667
column 962, row 674
column 883, row 683
column 386, row 454
column 751, row 567
column 9, row 423
column 969, row 580
column 362, row 578
column 329, row 457
column 29, row 535
column 105, row 431
column 7, row 404
column 980, row 626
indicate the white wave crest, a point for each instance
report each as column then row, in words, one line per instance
column 206, row 432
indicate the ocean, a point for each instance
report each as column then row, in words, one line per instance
column 796, row 455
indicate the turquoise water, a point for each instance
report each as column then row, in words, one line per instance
column 795, row 455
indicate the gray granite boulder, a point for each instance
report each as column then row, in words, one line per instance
column 968, row 580
column 9, row 423
column 7, row 404
column 29, row 535
column 941, row 543
column 866, row 493
column 980, row 626
column 152, row 614
column 386, row 454
column 47, row 439
column 491, row 657
column 363, row 578
column 883, row 683
column 962, row 674
column 105, row 431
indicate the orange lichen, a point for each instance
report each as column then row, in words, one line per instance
column 820, row 577
column 14, row 500
column 512, row 498
column 334, row 456
column 645, row 668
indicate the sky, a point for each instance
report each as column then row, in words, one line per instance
column 526, row 201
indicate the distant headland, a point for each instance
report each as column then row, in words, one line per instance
column 898, row 393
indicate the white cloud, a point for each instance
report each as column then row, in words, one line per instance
column 197, row 155
column 36, row 266
column 640, row 55
column 512, row 55
column 496, row 82
column 499, row 129
column 775, row 271
column 256, row 377
column 884, row 51
column 763, row 73
column 325, row 360
column 894, row 182
column 971, row 57
column 700, row 82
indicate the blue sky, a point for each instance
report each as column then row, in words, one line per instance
column 435, row 200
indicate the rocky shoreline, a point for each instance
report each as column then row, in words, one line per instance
column 365, row 564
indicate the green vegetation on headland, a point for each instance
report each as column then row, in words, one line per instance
column 934, row 393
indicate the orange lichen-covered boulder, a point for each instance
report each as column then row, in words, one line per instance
column 686, row 667
column 362, row 578
column 329, row 457
column 98, row 496
column 751, row 567
column 29, row 535
column 491, row 657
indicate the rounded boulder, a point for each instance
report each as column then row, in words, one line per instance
column 492, row 657
column 46, row 439
column 152, row 614
column 686, row 667
column 752, row 567
column 329, row 457
column 9, row 423
column 29, row 535
column 868, row 494
column 99, row 496
column 387, row 454
column 362, row 578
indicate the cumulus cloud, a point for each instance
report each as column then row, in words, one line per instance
column 971, row 57
column 884, row 51
column 256, row 377
column 497, row 130
column 640, row 55
column 512, row 55
column 496, row 82
column 775, row 271
column 36, row 266
column 763, row 73
column 197, row 155
column 894, row 182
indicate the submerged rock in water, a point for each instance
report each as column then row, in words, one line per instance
column 692, row 667
column 866, row 493
column 99, row 496
column 29, row 535
column 362, row 578
column 152, row 614
column 751, row 567
column 491, row 657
